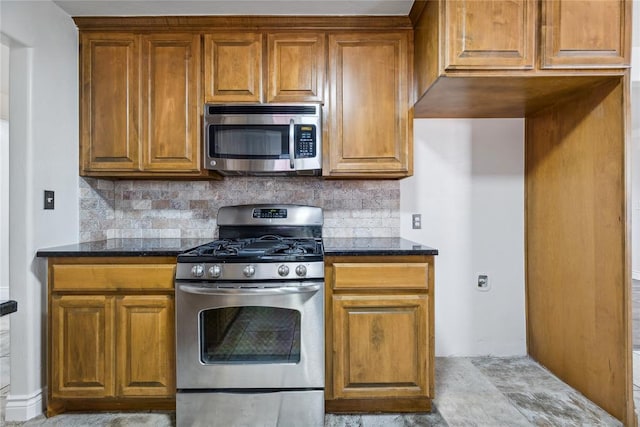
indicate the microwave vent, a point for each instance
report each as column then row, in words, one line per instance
column 262, row 109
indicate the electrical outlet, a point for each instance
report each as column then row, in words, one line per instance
column 483, row 282
column 416, row 221
column 49, row 199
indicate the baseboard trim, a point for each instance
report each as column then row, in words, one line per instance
column 24, row 407
column 635, row 274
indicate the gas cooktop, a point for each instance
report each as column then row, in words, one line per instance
column 259, row 242
column 268, row 248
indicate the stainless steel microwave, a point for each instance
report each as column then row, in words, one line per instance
column 264, row 139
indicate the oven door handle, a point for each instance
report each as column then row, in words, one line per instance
column 283, row 290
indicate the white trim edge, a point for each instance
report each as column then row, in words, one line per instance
column 635, row 63
column 4, row 294
column 635, row 274
column 24, row 407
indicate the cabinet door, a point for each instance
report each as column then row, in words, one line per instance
column 490, row 34
column 380, row 346
column 109, row 102
column 369, row 123
column 145, row 347
column 170, row 68
column 586, row 33
column 82, row 344
column 296, row 67
column 233, row 67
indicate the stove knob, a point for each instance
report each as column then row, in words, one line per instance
column 197, row 270
column 301, row 270
column 283, row 270
column 249, row 270
column 215, row 271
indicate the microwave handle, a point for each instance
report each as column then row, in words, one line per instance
column 292, row 146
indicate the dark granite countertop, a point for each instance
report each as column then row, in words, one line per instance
column 124, row 247
column 173, row 247
column 8, row 307
column 374, row 246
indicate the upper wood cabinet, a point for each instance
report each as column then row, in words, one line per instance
column 585, row 34
column 369, row 123
column 144, row 81
column 170, row 90
column 512, row 58
column 490, row 34
column 109, row 102
column 502, row 34
column 140, row 105
column 233, row 67
column 296, row 67
column 292, row 71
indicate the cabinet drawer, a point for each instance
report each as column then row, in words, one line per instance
column 380, row 275
column 112, row 277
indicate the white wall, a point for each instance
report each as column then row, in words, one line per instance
column 43, row 109
column 4, row 171
column 468, row 185
column 4, row 80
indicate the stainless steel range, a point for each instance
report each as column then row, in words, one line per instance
column 250, row 321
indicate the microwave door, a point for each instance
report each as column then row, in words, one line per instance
column 251, row 142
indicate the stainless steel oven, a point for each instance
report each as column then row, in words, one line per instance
column 250, row 321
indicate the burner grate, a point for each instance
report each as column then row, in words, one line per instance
column 264, row 246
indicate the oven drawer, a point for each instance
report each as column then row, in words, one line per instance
column 380, row 275
column 255, row 409
column 69, row 277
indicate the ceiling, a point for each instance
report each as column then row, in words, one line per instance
column 234, row 7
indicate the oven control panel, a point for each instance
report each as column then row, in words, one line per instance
column 270, row 213
column 250, row 271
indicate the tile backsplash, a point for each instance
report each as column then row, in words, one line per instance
column 188, row 209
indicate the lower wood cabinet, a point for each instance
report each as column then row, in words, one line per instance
column 145, row 346
column 379, row 334
column 82, row 346
column 111, row 334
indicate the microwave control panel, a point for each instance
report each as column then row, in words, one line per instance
column 305, row 141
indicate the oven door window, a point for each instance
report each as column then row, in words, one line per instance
column 250, row 334
column 249, row 141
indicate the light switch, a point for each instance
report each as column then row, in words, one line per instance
column 49, row 199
